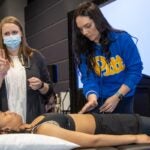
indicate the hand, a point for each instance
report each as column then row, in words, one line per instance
column 26, row 127
column 91, row 104
column 110, row 104
column 35, row 83
column 4, row 63
column 142, row 138
column 4, row 66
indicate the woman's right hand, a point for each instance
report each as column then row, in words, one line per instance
column 142, row 138
column 4, row 64
column 26, row 127
column 91, row 104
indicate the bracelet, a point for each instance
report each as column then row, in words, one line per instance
column 42, row 85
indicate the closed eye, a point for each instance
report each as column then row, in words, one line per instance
column 85, row 27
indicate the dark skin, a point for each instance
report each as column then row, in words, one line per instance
column 83, row 136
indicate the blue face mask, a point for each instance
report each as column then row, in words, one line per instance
column 12, row 42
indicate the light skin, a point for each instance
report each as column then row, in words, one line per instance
column 87, row 27
column 9, row 29
column 83, row 135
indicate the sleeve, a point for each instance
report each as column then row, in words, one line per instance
column 132, row 61
column 45, row 76
column 89, row 79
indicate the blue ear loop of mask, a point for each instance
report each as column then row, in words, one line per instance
column 12, row 42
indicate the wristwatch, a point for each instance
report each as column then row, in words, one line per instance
column 120, row 95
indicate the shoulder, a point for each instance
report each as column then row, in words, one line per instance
column 37, row 55
column 119, row 35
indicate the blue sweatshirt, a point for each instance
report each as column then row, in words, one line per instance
column 125, row 68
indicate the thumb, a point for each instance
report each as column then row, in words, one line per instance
column 25, row 126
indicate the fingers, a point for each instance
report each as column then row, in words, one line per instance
column 106, row 108
column 87, row 107
column 26, row 127
column 34, row 83
column 142, row 138
column 3, row 61
column 4, row 67
column 2, row 53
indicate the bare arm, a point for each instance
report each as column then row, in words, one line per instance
column 89, row 140
column 124, row 89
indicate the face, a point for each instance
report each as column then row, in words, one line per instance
column 9, row 29
column 11, row 34
column 10, row 120
column 87, row 28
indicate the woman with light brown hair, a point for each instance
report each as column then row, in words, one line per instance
column 25, row 85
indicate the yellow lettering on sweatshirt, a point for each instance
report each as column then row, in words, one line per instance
column 115, row 66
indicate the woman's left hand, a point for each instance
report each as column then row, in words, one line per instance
column 35, row 83
column 110, row 104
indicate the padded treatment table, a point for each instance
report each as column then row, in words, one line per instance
column 124, row 147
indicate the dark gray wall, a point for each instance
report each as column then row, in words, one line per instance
column 13, row 8
column 47, row 30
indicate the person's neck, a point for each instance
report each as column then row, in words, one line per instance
column 97, row 40
column 14, row 52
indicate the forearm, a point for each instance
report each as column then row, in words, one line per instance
column 44, row 89
column 114, row 140
column 124, row 89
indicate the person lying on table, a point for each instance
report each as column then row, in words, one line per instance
column 86, row 130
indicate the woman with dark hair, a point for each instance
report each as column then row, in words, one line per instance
column 126, row 129
column 25, row 85
column 108, row 60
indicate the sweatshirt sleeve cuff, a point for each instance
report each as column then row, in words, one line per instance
column 91, row 92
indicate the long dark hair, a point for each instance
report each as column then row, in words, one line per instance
column 83, row 45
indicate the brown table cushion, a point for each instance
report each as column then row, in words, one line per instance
column 124, row 147
column 135, row 147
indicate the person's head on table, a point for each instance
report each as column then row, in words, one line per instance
column 10, row 121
